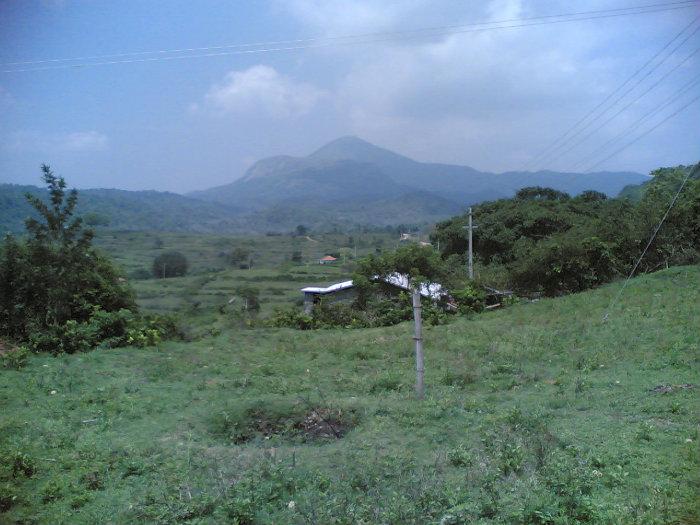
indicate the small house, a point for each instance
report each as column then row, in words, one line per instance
column 328, row 259
column 345, row 291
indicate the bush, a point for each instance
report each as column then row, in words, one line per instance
column 105, row 330
column 469, row 299
column 14, row 358
column 170, row 264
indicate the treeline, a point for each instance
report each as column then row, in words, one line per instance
column 545, row 241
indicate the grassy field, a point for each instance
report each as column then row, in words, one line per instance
column 212, row 279
column 539, row 414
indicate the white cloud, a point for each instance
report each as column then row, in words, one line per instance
column 262, row 90
column 487, row 98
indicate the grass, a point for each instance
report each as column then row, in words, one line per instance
column 212, row 280
column 539, row 414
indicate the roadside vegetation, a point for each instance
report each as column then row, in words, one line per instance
column 545, row 241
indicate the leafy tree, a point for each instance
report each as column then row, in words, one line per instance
column 170, row 264
column 540, row 193
column 56, row 277
column 250, row 296
column 296, row 256
column 302, row 230
column 239, row 255
column 551, row 243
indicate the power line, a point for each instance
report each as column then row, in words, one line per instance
column 692, row 101
column 337, row 41
column 593, row 117
column 626, row 107
column 651, row 239
column 555, row 144
column 635, row 125
column 341, row 37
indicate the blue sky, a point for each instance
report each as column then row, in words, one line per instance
column 491, row 100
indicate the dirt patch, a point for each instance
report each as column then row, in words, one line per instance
column 324, row 423
column 292, row 421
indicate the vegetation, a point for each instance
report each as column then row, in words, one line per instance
column 237, row 419
column 170, row 264
column 58, row 294
column 545, row 241
column 538, row 413
column 55, row 286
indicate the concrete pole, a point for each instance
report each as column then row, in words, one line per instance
column 471, row 256
column 418, row 338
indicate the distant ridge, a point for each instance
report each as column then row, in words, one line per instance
column 340, row 171
column 347, row 182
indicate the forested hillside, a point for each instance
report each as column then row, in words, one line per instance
column 543, row 240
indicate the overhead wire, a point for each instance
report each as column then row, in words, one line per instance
column 627, row 106
column 637, row 139
column 337, row 41
column 682, row 5
column 635, row 125
column 651, row 240
column 573, row 133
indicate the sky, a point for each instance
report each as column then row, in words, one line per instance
column 142, row 117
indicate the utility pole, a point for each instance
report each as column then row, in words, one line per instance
column 471, row 256
column 418, row 338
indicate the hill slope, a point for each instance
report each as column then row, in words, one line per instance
column 126, row 210
column 346, row 183
column 392, row 174
column 662, row 178
column 539, row 413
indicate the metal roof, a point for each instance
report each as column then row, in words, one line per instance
column 432, row 290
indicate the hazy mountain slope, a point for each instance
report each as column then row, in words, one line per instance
column 268, row 180
column 283, row 180
column 126, row 210
column 406, row 208
column 668, row 178
column 347, row 182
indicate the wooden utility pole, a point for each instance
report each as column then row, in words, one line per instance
column 418, row 338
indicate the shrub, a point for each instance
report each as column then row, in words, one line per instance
column 105, row 330
column 170, row 264
column 14, row 358
column 469, row 299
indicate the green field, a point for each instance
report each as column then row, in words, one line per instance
column 212, row 279
column 539, row 413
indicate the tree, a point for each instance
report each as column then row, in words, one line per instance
column 250, row 296
column 56, row 276
column 239, row 255
column 421, row 265
column 302, row 230
column 170, row 264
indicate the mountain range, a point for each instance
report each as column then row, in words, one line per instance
column 345, row 183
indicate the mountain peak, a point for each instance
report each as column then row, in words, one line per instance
column 357, row 149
